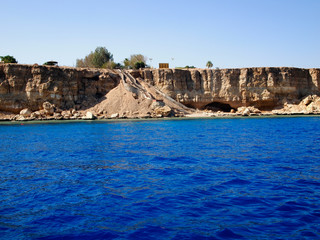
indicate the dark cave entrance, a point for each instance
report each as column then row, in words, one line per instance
column 218, row 106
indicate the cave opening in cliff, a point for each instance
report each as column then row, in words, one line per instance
column 218, row 106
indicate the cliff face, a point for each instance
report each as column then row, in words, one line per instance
column 29, row 86
column 264, row 88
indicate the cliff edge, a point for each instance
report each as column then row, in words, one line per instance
column 51, row 92
column 263, row 88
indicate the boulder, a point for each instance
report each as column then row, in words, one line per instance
column 156, row 104
column 48, row 108
column 164, row 111
column 89, row 116
column 35, row 114
column 115, row 115
column 57, row 115
column 246, row 112
column 65, row 113
column 20, row 118
column 25, row 112
column 307, row 100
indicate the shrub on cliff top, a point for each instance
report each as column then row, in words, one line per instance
column 8, row 59
column 209, row 64
column 139, row 65
column 135, row 61
column 96, row 59
column 112, row 65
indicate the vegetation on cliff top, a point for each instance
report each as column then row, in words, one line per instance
column 209, row 64
column 8, row 59
column 97, row 59
column 135, row 61
column 102, row 58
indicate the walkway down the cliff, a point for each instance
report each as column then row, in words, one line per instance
column 148, row 91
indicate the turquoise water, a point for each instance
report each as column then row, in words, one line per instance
column 187, row 179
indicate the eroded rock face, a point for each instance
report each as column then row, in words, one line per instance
column 264, row 88
column 29, row 86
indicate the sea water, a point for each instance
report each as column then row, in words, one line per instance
column 174, row 179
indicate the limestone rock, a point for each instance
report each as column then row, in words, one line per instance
column 163, row 111
column 35, row 114
column 48, row 108
column 156, row 104
column 246, row 112
column 20, row 118
column 89, row 116
column 115, row 115
column 307, row 100
column 30, row 86
column 25, row 112
column 63, row 87
column 57, row 115
column 262, row 87
column 66, row 114
column 308, row 105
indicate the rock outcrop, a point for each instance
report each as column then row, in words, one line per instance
column 30, row 86
column 50, row 92
column 264, row 88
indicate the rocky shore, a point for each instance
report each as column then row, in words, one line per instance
column 33, row 92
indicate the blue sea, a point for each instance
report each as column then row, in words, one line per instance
column 245, row 178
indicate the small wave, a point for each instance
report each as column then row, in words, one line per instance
column 236, row 181
column 82, row 236
column 242, row 201
column 307, row 182
column 228, row 234
column 291, row 207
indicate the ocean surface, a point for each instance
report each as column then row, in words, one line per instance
column 246, row 178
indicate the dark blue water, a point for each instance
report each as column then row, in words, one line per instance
column 186, row 179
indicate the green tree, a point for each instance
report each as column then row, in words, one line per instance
column 96, row 59
column 126, row 63
column 209, row 64
column 139, row 65
column 8, row 59
column 134, row 59
column 86, row 62
column 112, row 65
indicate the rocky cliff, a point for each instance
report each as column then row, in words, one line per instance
column 264, row 88
column 30, row 86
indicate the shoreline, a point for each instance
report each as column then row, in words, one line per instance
column 117, row 120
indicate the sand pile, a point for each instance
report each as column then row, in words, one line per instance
column 137, row 99
column 122, row 103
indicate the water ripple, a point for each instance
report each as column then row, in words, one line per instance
column 196, row 179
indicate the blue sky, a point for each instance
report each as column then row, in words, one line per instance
column 230, row 33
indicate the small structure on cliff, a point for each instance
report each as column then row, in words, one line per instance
column 163, row 65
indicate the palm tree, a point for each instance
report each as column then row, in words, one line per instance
column 209, row 64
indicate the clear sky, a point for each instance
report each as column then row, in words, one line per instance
column 230, row 33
